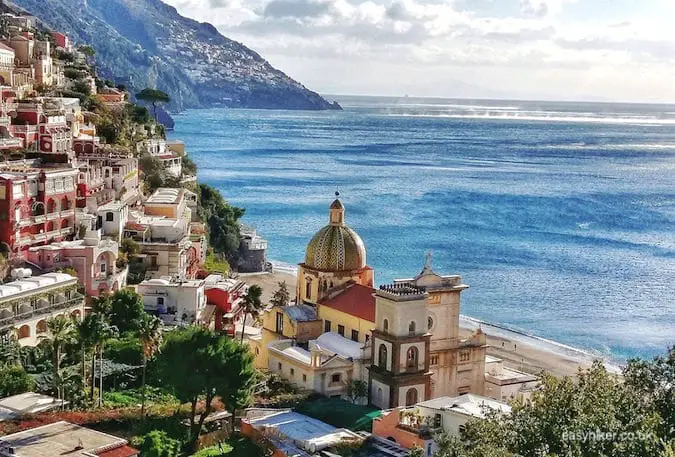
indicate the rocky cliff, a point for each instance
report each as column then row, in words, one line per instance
column 146, row 43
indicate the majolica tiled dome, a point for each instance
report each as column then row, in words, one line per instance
column 336, row 247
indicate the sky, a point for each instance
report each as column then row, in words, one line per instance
column 596, row 50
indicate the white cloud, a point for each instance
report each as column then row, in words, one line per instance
column 530, row 50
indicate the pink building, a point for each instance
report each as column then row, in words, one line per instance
column 94, row 259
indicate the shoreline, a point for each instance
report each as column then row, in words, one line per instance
column 519, row 350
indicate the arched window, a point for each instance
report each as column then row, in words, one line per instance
column 382, row 357
column 308, row 289
column 41, row 326
column 24, row 332
column 412, row 357
column 411, row 396
column 411, row 327
column 385, row 326
column 430, row 322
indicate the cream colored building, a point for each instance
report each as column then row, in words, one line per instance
column 26, row 305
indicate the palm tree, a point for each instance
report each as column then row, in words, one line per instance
column 150, row 335
column 104, row 331
column 61, row 332
column 252, row 305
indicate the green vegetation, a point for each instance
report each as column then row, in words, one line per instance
column 235, row 446
column 215, row 264
column 252, row 305
column 134, row 397
column 281, row 296
column 14, row 380
column 596, row 415
column 157, row 444
column 340, row 413
column 199, row 365
column 153, row 96
column 222, row 220
column 150, row 336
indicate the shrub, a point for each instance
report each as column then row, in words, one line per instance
column 157, row 443
column 14, row 380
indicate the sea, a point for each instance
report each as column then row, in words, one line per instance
column 559, row 216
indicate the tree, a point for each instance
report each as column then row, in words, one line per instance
column 150, row 335
column 126, row 310
column 654, row 380
column 14, row 380
column 198, row 364
column 357, row 389
column 596, row 415
column 130, row 247
column 93, row 331
column 153, row 96
column 281, row 296
column 157, row 443
column 416, row 451
column 252, row 305
column 60, row 332
column 222, row 220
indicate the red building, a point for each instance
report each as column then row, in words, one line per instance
column 37, row 207
column 226, row 295
column 37, row 123
column 61, row 40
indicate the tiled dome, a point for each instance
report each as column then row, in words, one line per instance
column 336, row 247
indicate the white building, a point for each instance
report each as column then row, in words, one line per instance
column 451, row 413
column 111, row 219
column 26, row 305
column 329, row 364
column 164, row 152
column 175, row 301
column 506, row 384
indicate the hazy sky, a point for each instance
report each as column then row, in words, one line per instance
column 554, row 49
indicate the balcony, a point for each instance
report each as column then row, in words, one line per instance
column 11, row 321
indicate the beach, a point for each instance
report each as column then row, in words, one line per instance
column 519, row 351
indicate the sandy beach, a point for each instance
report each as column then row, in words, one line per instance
column 518, row 351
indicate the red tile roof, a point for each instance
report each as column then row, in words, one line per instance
column 122, row 451
column 355, row 299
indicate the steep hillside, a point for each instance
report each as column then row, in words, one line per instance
column 147, row 43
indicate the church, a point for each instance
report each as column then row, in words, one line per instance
column 402, row 339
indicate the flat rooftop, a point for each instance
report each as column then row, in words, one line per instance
column 64, row 438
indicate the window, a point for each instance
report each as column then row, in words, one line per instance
column 355, row 335
column 257, row 351
column 411, row 328
column 433, row 360
column 304, row 378
column 308, row 289
column 341, row 330
column 464, row 356
column 412, row 358
column 430, row 322
column 279, row 366
column 411, row 397
column 382, row 356
column 335, row 378
column 438, row 421
column 292, row 372
column 160, row 301
column 326, row 326
column 280, row 322
column 109, row 216
column 103, row 265
column 385, row 326
column 367, row 337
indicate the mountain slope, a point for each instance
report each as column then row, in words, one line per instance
column 147, row 43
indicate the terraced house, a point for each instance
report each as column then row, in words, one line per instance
column 26, row 304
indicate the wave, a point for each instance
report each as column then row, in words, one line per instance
column 520, row 116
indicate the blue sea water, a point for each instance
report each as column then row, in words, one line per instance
column 560, row 216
